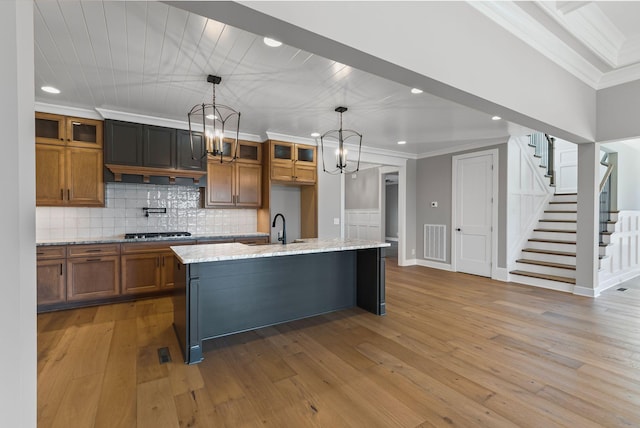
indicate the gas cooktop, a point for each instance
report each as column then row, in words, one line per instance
column 146, row 235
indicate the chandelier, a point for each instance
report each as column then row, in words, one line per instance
column 341, row 136
column 212, row 122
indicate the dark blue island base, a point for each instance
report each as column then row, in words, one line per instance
column 214, row 299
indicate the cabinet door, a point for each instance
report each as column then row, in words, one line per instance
column 158, row 147
column 85, row 183
column 93, row 278
column 248, row 185
column 141, row 273
column 282, row 152
column 50, row 175
column 250, row 152
column 123, row 143
column 282, row 171
column 166, row 270
column 50, row 128
column 185, row 158
column 51, row 281
column 220, row 190
column 305, row 174
column 305, row 154
column 84, row 133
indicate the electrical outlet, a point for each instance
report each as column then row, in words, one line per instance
column 434, row 204
column 336, row 220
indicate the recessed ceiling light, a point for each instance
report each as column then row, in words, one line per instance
column 50, row 89
column 315, row 134
column 496, row 118
column 402, row 142
column 272, row 42
column 416, row 91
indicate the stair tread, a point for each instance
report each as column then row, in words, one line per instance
column 563, row 202
column 553, row 241
column 565, row 194
column 544, row 276
column 547, row 264
column 557, row 221
column 561, row 212
column 552, row 252
column 554, row 230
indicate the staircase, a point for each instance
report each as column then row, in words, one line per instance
column 549, row 258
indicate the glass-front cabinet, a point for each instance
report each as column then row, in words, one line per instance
column 68, row 131
column 291, row 162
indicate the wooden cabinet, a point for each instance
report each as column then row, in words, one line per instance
column 51, row 274
column 68, row 170
column 293, row 163
column 68, row 131
column 148, row 267
column 235, row 184
column 93, row 272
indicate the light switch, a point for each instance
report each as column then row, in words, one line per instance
column 336, row 220
column 434, row 204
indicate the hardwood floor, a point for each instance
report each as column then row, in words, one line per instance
column 453, row 350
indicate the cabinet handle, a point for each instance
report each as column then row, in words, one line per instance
column 68, row 194
column 60, row 269
column 40, row 253
column 61, row 194
column 95, row 250
column 94, row 260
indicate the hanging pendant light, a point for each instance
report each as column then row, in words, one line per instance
column 341, row 136
column 214, row 123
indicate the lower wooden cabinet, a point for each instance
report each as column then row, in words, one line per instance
column 92, row 278
column 147, row 267
column 51, row 281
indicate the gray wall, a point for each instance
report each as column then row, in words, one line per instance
column 361, row 189
column 329, row 201
column 391, row 211
column 628, row 177
column 433, row 183
column 617, row 112
column 411, row 209
column 286, row 200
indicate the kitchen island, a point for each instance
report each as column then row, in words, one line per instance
column 222, row 289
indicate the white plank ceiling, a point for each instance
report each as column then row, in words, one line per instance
column 152, row 59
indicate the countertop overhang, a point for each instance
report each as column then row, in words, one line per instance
column 235, row 251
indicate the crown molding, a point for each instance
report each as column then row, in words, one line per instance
column 515, row 20
column 592, row 27
column 620, row 76
column 67, row 111
column 291, row 138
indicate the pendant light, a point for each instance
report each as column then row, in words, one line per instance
column 214, row 123
column 341, row 136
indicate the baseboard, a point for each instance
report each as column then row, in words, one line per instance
column 585, row 291
column 617, row 280
column 501, row 274
column 407, row 262
column 388, row 238
column 432, row 264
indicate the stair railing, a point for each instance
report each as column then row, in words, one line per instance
column 544, row 149
column 605, row 196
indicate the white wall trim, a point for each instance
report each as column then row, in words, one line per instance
column 585, row 291
column 500, row 274
column 432, row 264
column 67, row 111
column 292, row 138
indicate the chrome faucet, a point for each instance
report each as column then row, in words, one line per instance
column 283, row 238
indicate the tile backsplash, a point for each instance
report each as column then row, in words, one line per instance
column 123, row 214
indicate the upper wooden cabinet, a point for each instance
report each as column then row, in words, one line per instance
column 68, row 131
column 235, row 184
column 68, row 170
column 293, row 163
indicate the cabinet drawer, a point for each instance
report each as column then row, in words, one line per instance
column 93, row 250
column 258, row 240
column 53, row 252
column 151, row 247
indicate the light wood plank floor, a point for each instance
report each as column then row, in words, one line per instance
column 453, row 350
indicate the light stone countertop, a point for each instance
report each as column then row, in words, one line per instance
column 122, row 240
column 236, row 251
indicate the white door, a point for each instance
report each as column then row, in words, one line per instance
column 473, row 213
